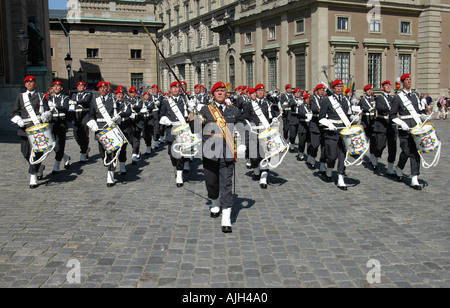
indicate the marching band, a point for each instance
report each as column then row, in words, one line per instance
column 266, row 125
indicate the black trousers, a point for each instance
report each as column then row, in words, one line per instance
column 409, row 150
column 25, row 148
column 81, row 136
column 60, row 142
column 151, row 131
column 219, row 180
column 381, row 140
column 335, row 150
column 176, row 159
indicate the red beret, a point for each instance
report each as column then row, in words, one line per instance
column 288, row 86
column 154, row 86
column 297, row 89
column 81, row 83
column 386, row 82
column 319, row 86
column 404, row 77
column 57, row 82
column 244, row 88
column 102, row 84
column 251, row 90
column 184, row 83
column 337, row 82
column 217, row 86
column 196, row 86
column 367, row 87
column 348, row 90
column 119, row 90
column 259, row 87
column 132, row 89
column 174, row 84
column 29, row 78
column 145, row 93
column 307, row 95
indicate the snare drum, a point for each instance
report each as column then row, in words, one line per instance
column 273, row 144
column 426, row 138
column 355, row 140
column 187, row 143
column 112, row 138
column 41, row 138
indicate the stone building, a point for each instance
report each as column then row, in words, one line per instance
column 188, row 41
column 106, row 41
column 306, row 42
column 30, row 16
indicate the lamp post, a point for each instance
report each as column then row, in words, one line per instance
column 22, row 42
column 68, row 59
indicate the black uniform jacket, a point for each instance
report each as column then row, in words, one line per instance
column 214, row 145
column 19, row 109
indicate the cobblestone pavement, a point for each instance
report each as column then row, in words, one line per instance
column 145, row 232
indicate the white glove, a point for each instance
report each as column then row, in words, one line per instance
column 425, row 118
column 144, row 110
column 18, row 120
column 72, row 103
column 191, row 105
column 165, row 121
column 275, row 121
column 331, row 127
column 133, row 116
column 241, row 150
column 117, row 119
column 92, row 125
column 309, row 116
column 46, row 117
column 401, row 123
column 354, row 118
column 285, row 104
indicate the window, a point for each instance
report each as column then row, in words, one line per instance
column 211, row 36
column 375, row 26
column 91, row 30
column 272, row 33
column 248, row 38
column 405, row 27
column 404, row 64
column 177, row 13
column 374, row 69
column 92, row 53
column 136, row 53
column 272, row 73
column 232, row 72
column 249, row 71
column 209, row 79
column 135, row 32
column 342, row 66
column 93, row 79
column 300, row 70
column 342, row 23
column 137, row 79
column 300, row 26
column 187, row 11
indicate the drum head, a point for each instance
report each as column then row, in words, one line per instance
column 273, row 132
column 424, row 130
column 352, row 131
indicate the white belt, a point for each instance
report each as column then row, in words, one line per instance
column 406, row 117
column 369, row 113
column 383, row 117
column 80, row 110
column 336, row 121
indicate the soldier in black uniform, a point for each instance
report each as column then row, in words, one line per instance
column 367, row 104
column 293, row 118
column 335, row 112
column 80, row 104
column 383, row 129
column 218, row 157
column 59, row 106
column 171, row 121
column 126, row 124
column 269, row 114
column 305, row 116
column 402, row 116
column 23, row 119
column 138, row 121
column 284, row 106
column 97, row 120
column 156, row 99
column 315, row 129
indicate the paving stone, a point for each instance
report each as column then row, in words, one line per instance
column 147, row 233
